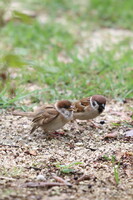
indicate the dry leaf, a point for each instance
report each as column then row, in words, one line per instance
column 129, row 133
column 119, row 155
column 85, row 177
column 31, row 152
column 122, row 115
column 61, row 180
column 126, row 154
column 111, row 135
column 128, row 172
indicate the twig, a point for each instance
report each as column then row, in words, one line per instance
column 9, row 145
column 7, row 178
column 84, row 177
column 42, row 184
column 111, row 135
column 35, row 168
column 61, row 180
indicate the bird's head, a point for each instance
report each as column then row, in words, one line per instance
column 65, row 107
column 98, row 102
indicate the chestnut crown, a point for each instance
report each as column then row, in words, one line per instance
column 99, row 99
column 64, row 104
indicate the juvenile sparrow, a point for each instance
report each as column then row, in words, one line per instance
column 50, row 117
column 89, row 108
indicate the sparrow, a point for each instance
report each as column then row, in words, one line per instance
column 50, row 117
column 89, row 108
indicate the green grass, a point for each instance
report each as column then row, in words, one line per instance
column 112, row 13
column 115, row 165
column 30, row 51
column 12, row 172
column 66, row 169
column 116, row 170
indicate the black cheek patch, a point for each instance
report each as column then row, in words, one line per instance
column 100, row 109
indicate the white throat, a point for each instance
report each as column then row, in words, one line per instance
column 92, row 104
column 63, row 111
column 94, row 107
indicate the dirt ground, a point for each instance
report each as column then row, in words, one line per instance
column 23, row 157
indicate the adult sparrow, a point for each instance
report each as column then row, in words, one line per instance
column 50, row 117
column 89, row 108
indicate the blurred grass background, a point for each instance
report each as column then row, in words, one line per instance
column 46, row 51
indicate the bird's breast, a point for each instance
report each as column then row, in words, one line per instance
column 56, row 124
column 86, row 115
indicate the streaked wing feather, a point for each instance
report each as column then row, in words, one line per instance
column 85, row 101
column 33, row 128
column 78, row 107
column 45, row 116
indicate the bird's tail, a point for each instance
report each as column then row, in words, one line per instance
column 24, row 114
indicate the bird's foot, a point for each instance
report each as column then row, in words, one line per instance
column 56, row 134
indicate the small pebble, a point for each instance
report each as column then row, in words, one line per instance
column 40, row 177
column 102, row 122
column 124, row 101
column 89, row 186
column 79, row 144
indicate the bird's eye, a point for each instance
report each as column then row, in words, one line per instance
column 94, row 103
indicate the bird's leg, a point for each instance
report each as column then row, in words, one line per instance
column 76, row 126
column 56, row 134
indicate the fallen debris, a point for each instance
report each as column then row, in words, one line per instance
column 90, row 158
column 31, row 152
column 7, row 178
column 40, row 177
column 111, row 135
column 42, row 184
column 129, row 133
column 85, row 177
column 61, row 180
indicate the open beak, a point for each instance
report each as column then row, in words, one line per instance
column 71, row 108
column 102, row 108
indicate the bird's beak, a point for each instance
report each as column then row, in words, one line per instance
column 71, row 108
column 101, row 108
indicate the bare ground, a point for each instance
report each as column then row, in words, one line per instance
column 23, row 157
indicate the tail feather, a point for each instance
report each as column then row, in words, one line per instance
column 24, row 114
column 33, row 128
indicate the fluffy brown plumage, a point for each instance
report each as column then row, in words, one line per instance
column 50, row 117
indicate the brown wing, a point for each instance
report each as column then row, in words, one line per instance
column 44, row 107
column 85, row 101
column 80, row 105
column 45, row 116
